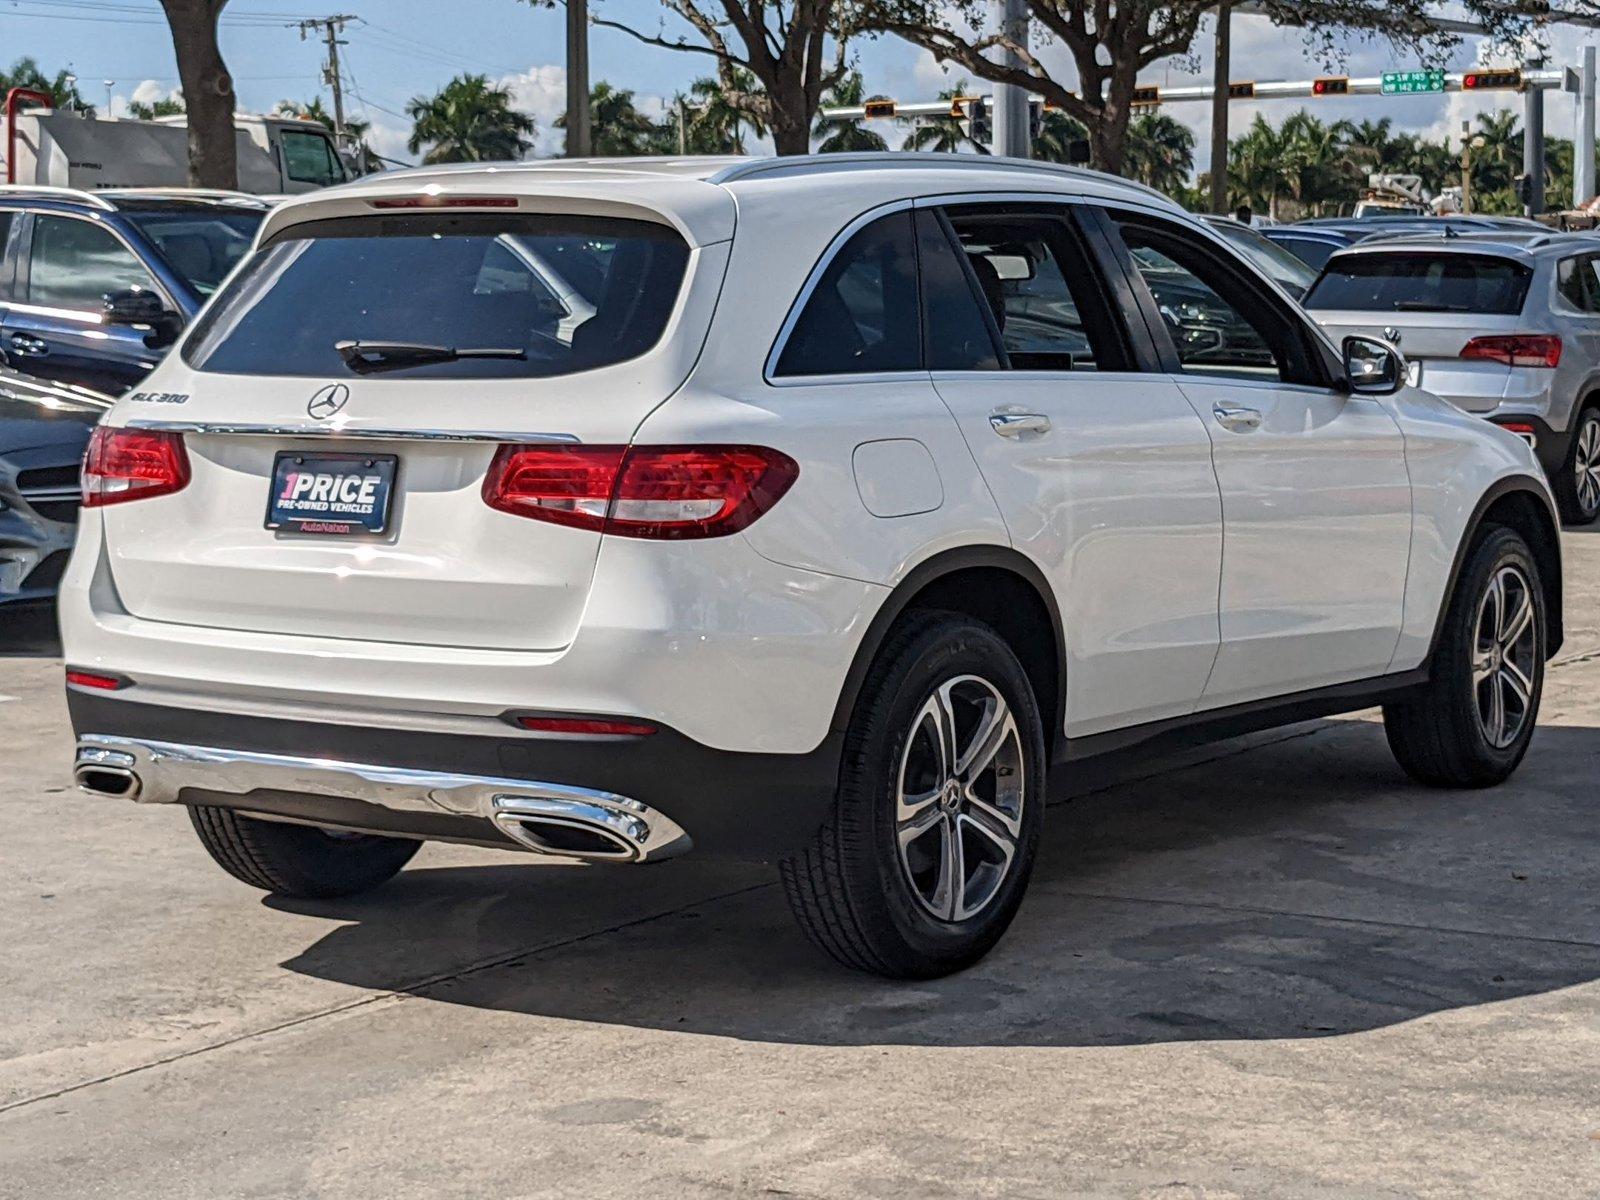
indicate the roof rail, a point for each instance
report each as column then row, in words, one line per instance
column 187, row 193
column 47, row 192
column 864, row 159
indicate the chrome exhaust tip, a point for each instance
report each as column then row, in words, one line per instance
column 613, row 829
column 102, row 772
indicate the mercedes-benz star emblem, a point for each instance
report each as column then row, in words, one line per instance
column 327, row 401
column 1391, row 335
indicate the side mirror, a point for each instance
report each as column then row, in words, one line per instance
column 141, row 306
column 1372, row 367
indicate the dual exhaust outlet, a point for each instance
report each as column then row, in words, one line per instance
column 548, row 818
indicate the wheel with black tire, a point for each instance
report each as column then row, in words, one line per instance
column 922, row 863
column 1577, row 487
column 1471, row 725
column 300, row 861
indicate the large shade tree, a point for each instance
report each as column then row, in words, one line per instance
column 207, row 91
column 793, row 51
column 469, row 120
column 1110, row 42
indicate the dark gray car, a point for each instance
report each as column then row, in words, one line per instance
column 44, row 428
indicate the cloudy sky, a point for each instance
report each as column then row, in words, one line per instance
column 402, row 48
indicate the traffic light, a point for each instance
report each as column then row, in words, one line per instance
column 1331, row 85
column 1035, row 120
column 1524, row 184
column 1145, row 97
column 1241, row 91
column 877, row 109
column 1473, row 81
column 979, row 128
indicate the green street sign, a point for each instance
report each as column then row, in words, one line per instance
column 1410, row 83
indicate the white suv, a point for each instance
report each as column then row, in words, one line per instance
column 806, row 509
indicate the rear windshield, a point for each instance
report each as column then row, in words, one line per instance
column 554, row 294
column 1420, row 282
column 201, row 245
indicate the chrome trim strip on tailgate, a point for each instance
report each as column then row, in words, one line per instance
column 520, row 808
column 345, row 432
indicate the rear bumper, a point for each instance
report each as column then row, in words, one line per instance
column 458, row 787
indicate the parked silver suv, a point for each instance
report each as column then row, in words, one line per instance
column 1503, row 324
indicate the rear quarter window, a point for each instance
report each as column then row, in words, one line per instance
column 570, row 293
column 1413, row 281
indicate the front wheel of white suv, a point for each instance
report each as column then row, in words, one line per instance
column 923, row 861
column 1471, row 725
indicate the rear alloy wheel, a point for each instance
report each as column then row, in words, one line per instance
column 1579, row 490
column 1471, row 725
column 923, row 863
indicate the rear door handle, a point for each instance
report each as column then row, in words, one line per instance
column 1240, row 420
column 31, row 347
column 1013, row 425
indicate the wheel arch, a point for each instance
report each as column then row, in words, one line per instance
column 997, row 585
column 1520, row 503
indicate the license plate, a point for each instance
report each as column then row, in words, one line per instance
column 331, row 493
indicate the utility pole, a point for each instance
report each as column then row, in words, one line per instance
column 1011, row 132
column 331, row 28
column 1219, row 110
column 1583, row 186
column 578, row 127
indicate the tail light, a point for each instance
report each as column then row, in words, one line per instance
column 640, row 491
column 1516, row 349
column 132, row 464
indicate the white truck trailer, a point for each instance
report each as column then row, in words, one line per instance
column 46, row 146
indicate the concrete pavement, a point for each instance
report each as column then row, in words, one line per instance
column 1271, row 967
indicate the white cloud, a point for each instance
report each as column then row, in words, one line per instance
column 148, row 91
column 541, row 92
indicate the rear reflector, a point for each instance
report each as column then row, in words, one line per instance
column 446, row 202
column 88, row 679
column 132, row 464
column 588, row 726
column 1516, row 349
column 640, row 491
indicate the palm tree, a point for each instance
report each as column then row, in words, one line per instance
column 617, row 128
column 945, row 135
column 62, row 87
column 717, row 126
column 1061, row 139
column 1256, row 162
column 469, row 120
column 837, row 136
column 1160, row 152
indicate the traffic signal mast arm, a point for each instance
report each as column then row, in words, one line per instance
column 1480, row 79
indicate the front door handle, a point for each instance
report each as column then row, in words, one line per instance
column 30, row 347
column 1240, row 420
column 1013, row 425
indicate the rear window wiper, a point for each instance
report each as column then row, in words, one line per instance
column 366, row 357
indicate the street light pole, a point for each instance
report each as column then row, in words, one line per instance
column 1219, row 109
column 578, row 132
column 1533, row 143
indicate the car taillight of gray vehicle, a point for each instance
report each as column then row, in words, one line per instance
column 1505, row 325
column 43, row 430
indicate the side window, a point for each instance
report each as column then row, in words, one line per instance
column 309, row 158
column 955, row 332
column 1578, row 280
column 862, row 315
column 1218, row 323
column 1040, row 290
column 6, row 263
column 76, row 264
